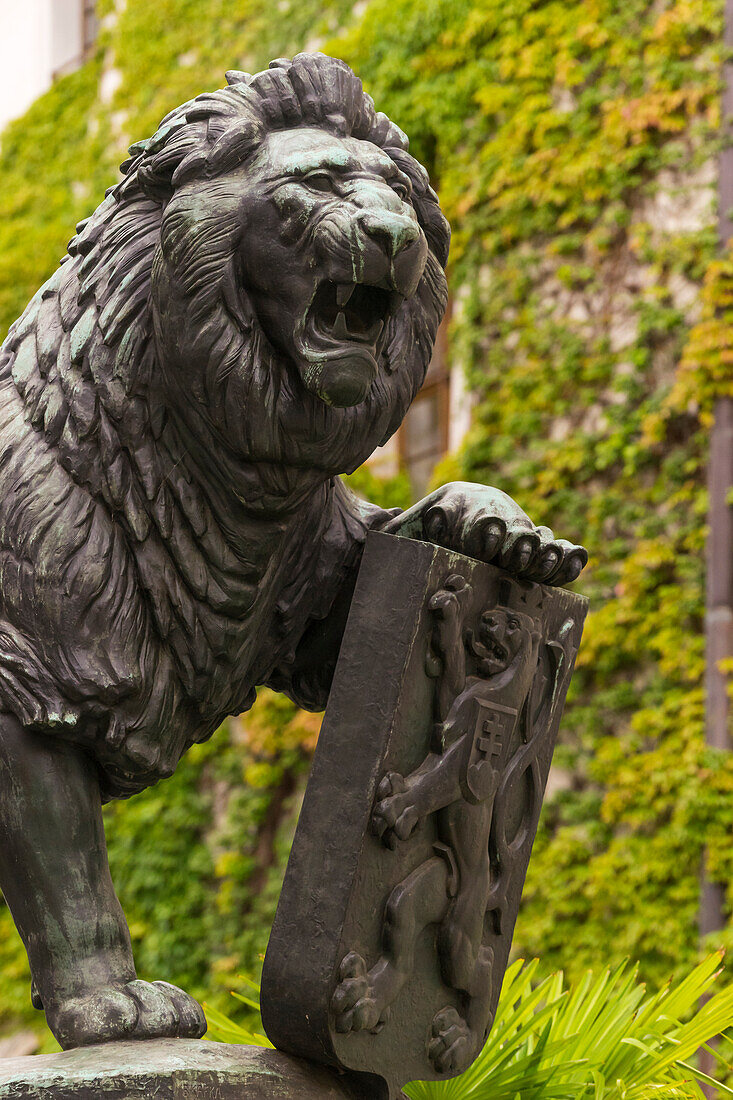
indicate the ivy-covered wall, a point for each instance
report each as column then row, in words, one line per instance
column 573, row 144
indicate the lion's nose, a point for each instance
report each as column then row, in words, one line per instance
column 393, row 232
column 398, row 245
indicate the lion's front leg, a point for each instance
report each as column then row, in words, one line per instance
column 404, row 801
column 55, row 877
column 486, row 524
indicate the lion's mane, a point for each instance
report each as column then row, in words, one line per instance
column 106, row 518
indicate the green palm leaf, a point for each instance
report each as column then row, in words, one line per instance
column 604, row 1038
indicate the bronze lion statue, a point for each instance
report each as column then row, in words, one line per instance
column 247, row 315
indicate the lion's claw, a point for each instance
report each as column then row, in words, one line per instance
column 392, row 783
column 191, row 1019
column 406, row 823
column 519, row 551
column 448, row 602
column 448, row 605
column 485, row 523
column 451, row 1048
column 136, row 1010
column 395, row 816
column 353, row 1004
column 574, row 561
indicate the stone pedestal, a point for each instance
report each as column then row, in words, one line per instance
column 174, row 1069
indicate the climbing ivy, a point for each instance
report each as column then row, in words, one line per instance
column 573, row 145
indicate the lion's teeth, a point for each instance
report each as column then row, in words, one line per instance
column 344, row 292
column 340, row 329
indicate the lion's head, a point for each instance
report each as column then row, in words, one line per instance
column 273, row 259
column 502, row 635
column 331, row 248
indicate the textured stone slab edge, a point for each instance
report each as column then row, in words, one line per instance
column 174, row 1069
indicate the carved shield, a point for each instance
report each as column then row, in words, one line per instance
column 395, row 921
column 495, row 723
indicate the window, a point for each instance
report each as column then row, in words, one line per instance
column 74, row 29
column 90, row 25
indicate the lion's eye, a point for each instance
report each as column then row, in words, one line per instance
column 319, row 181
column 401, row 189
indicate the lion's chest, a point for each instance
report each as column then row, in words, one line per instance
column 227, row 637
column 205, row 668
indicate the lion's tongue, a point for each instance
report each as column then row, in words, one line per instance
column 342, row 331
column 344, row 378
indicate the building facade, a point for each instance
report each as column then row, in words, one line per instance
column 39, row 41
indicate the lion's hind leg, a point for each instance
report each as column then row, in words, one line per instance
column 363, row 997
column 55, row 878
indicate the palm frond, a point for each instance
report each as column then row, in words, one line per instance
column 602, row 1038
column 605, row 1038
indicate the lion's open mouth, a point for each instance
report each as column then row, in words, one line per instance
column 496, row 650
column 349, row 312
column 493, row 657
column 339, row 344
column 492, row 650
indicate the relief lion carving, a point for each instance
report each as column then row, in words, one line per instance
column 457, row 782
column 247, row 315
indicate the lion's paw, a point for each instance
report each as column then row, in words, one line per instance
column 137, row 1010
column 354, row 1003
column 452, row 1044
column 448, row 606
column 485, row 523
column 395, row 815
column 449, row 602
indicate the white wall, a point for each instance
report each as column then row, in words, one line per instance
column 37, row 39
